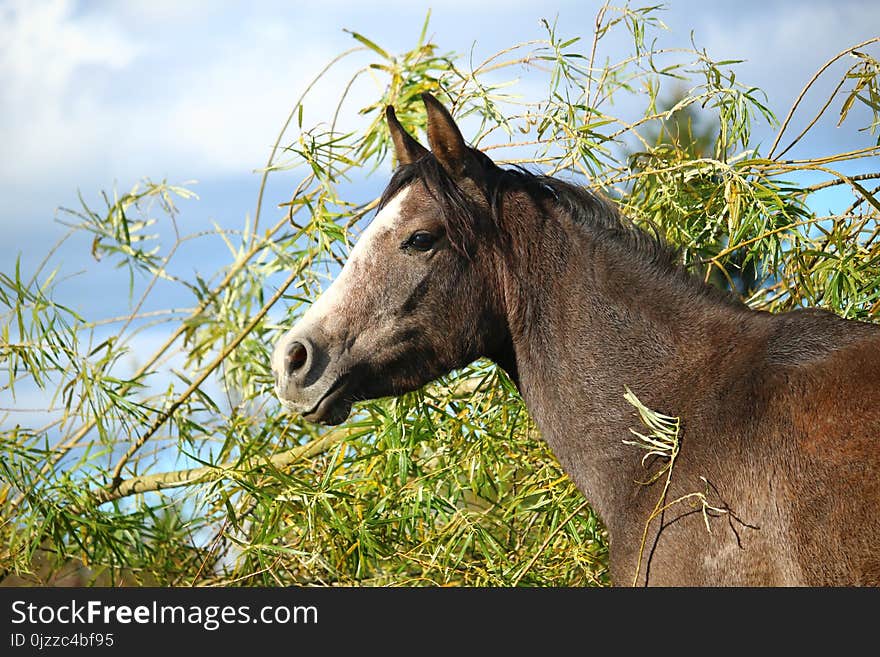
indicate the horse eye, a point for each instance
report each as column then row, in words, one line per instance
column 421, row 241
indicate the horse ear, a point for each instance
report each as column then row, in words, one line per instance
column 444, row 137
column 406, row 147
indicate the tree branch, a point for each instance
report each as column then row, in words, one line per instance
column 167, row 413
column 178, row 478
column 841, row 181
column 809, row 84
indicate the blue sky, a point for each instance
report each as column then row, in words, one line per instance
column 102, row 93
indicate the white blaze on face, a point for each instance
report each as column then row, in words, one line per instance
column 363, row 251
column 345, row 285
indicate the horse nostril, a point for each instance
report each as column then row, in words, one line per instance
column 297, row 355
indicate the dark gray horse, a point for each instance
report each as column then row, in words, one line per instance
column 779, row 447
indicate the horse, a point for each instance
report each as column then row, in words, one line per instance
column 777, row 471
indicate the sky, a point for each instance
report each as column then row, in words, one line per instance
column 93, row 93
column 96, row 95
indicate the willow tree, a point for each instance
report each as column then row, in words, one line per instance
column 186, row 470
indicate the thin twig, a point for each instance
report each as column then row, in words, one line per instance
column 583, row 505
column 264, row 178
column 809, row 84
column 841, row 181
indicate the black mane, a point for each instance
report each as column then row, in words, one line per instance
column 465, row 219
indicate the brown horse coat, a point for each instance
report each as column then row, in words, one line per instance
column 780, row 414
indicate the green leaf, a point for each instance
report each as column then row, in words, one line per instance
column 369, row 44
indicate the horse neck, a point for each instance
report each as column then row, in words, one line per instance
column 586, row 320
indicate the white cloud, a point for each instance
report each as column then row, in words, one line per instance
column 105, row 90
column 87, row 97
column 40, row 94
column 43, row 47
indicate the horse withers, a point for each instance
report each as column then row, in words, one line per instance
column 780, row 414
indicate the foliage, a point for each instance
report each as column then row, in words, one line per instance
column 187, row 471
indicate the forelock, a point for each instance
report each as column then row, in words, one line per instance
column 462, row 214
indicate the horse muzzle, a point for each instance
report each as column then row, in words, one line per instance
column 309, row 382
